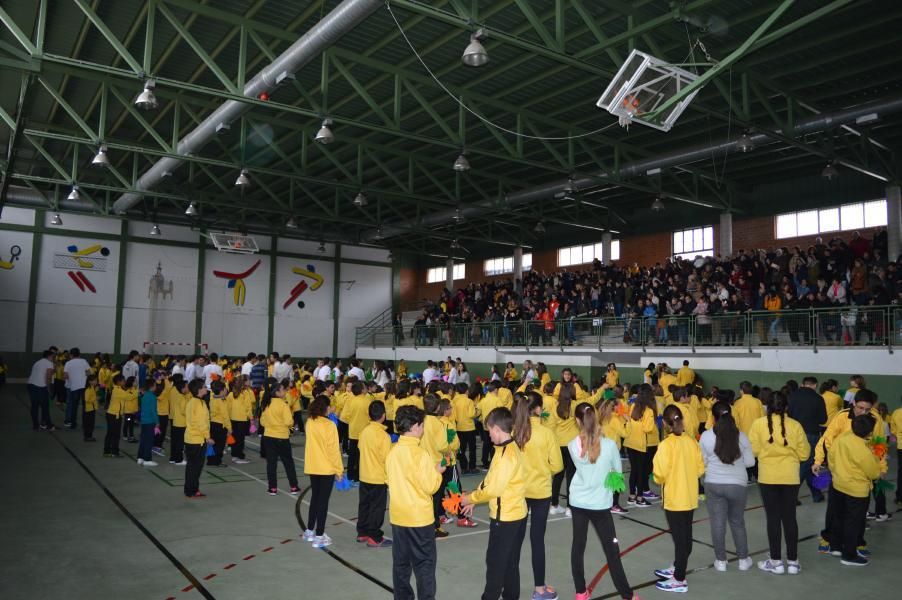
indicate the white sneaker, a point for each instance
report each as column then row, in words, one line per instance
column 746, row 563
column 309, row 535
column 321, row 541
column 149, row 463
column 793, row 567
column 720, row 565
column 772, row 566
column 181, row 464
column 556, row 510
column 240, row 461
column 140, row 461
column 567, row 513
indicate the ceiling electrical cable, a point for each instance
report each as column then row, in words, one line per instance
column 470, row 110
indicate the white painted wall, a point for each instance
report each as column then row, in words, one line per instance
column 14, row 286
column 303, row 331
column 369, row 295
column 231, row 328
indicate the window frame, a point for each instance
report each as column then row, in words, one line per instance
column 696, row 235
column 834, row 216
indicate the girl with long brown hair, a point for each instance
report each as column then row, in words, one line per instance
column 642, row 418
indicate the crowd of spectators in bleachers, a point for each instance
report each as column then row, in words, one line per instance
column 705, row 298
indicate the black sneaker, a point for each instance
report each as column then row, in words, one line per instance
column 855, row 562
column 440, row 533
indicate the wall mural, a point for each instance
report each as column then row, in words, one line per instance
column 14, row 252
column 301, row 287
column 236, row 282
column 76, row 262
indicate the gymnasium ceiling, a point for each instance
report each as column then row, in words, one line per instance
column 71, row 70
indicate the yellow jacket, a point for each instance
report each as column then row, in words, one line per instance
column 637, row 437
column 90, row 399
column 178, row 402
column 118, row 398
column 564, row 429
column 435, row 439
column 487, row 404
column 390, row 408
column 665, row 380
column 219, row 413
column 895, row 426
column 581, row 394
column 617, row 428
column 197, row 422
column 409, row 401
column 541, row 459
column 746, row 410
column 356, row 414
column 131, row 401
column 840, row 424
column 374, row 447
column 778, row 463
column 504, row 486
column 241, row 408
column 322, row 455
column 853, row 465
column 163, row 398
column 690, row 418
column 833, row 402
column 677, row 465
column 339, row 399
column 612, row 378
column 412, row 480
column 277, row 419
column 464, row 411
column 506, row 398
column 685, row 376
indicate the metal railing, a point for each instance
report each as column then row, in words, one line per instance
column 845, row 326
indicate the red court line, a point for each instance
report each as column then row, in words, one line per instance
column 249, row 556
column 286, row 541
column 188, row 588
column 210, row 576
column 229, row 566
column 266, row 549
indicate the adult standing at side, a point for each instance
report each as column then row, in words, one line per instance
column 808, row 408
column 75, row 373
column 130, row 368
column 39, row 391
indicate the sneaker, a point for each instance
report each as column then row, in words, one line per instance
column 172, row 462
column 107, row 455
column 440, row 533
column 90, row 439
column 182, row 463
column 355, row 484
column 882, row 518
column 650, row 495
column 863, row 552
column 197, row 496
column 772, row 566
column 665, row 573
column 855, row 562
column 140, row 461
column 720, row 565
column 446, row 520
column 567, row 513
column 619, row 510
column 321, row 541
column 273, row 491
column 67, row 424
column 823, row 546
column 746, row 563
column 547, row 593
column 157, row 451
column 870, row 516
column 150, row 463
column 793, row 567
column 383, row 543
column 672, row 585
column 467, row 522
column 294, row 490
column 556, row 510
column 641, row 503
column 631, row 501
column 583, row 596
column 240, row 461
column 309, row 535
column 361, row 539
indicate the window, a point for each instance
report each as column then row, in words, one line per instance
column 615, row 250
column 578, row 255
column 505, row 264
column 439, row 274
column 690, row 243
column 844, row 218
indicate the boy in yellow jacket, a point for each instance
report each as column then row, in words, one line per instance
column 178, row 402
column 854, row 467
column 354, row 413
column 413, row 478
column 220, row 423
column 374, row 445
column 435, row 442
column 504, row 490
column 197, row 436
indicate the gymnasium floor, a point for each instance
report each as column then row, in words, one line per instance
column 77, row 525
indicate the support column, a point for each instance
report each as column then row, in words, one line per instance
column 449, row 274
column 518, row 269
column 725, row 248
column 893, row 222
column 606, row 248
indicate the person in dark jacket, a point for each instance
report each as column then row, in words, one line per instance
column 807, row 407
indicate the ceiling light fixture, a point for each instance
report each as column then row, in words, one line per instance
column 244, row 179
column 291, row 223
column 147, row 100
column 461, row 164
column 539, row 228
column 830, row 172
column 56, row 220
column 379, row 234
column 101, row 159
column 155, row 230
column 74, row 196
column 325, row 135
column 360, row 200
column 475, row 54
column 455, row 244
column 192, row 211
column 658, row 205
column 322, row 248
column 745, row 143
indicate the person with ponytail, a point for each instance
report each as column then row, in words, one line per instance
column 565, row 430
column 676, row 468
column 642, row 421
column 541, row 459
column 322, row 464
column 780, row 444
column 597, row 474
column 277, row 420
column 727, row 453
column 616, row 428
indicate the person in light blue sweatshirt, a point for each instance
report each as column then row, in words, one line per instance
column 598, row 469
column 149, row 420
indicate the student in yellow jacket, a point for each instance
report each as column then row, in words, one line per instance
column 240, row 403
column 220, row 424
column 413, row 479
column 277, row 421
column 895, row 425
column 504, row 490
column 197, row 437
column 115, row 410
column 90, row 408
column 541, row 459
column 854, row 467
column 565, row 429
column 374, row 445
column 747, row 409
column 642, row 421
column 178, row 402
column 617, row 428
column 677, row 465
column 780, row 445
column 354, row 413
column 130, row 410
column 322, row 464
column 435, row 442
column 464, row 410
column 486, row 404
column 833, row 402
column 865, row 403
column 162, row 416
column 683, row 401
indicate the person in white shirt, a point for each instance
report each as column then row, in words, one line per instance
column 211, row 369
column 381, row 374
column 248, row 364
column 528, row 372
column 452, row 375
column 282, row 370
column 195, row 369
column 75, row 372
column 429, row 373
column 462, row 375
column 179, row 367
column 130, row 368
column 323, row 371
column 336, row 371
column 356, row 371
column 38, row 391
